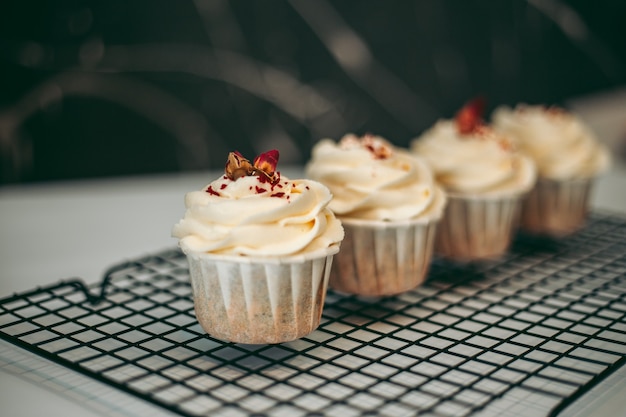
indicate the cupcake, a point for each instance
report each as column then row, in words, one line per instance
column 485, row 178
column 568, row 158
column 389, row 206
column 260, row 248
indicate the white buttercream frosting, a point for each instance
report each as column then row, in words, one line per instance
column 480, row 162
column 251, row 216
column 561, row 145
column 372, row 180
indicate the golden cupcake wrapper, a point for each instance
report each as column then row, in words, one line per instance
column 383, row 258
column 478, row 228
column 259, row 300
column 556, row 208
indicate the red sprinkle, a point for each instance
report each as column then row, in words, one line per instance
column 260, row 190
column 277, row 195
column 223, row 186
column 211, row 191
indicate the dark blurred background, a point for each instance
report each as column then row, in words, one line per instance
column 110, row 88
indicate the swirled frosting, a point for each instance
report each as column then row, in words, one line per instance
column 561, row 145
column 255, row 217
column 479, row 161
column 370, row 179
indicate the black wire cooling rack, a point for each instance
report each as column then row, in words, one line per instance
column 532, row 331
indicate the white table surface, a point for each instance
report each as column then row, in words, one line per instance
column 79, row 228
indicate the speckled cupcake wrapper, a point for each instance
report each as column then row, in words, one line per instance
column 478, row 228
column 383, row 258
column 259, row 301
column 556, row 208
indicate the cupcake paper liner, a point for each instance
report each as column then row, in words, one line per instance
column 556, row 208
column 478, row 228
column 262, row 300
column 383, row 258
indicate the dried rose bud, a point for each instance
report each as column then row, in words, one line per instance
column 237, row 166
column 266, row 163
column 470, row 116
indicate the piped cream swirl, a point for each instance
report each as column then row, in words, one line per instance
column 561, row 145
column 370, row 179
column 252, row 217
column 480, row 162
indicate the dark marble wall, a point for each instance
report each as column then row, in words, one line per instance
column 108, row 88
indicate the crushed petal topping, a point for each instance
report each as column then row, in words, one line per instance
column 488, row 133
column 551, row 110
column 555, row 111
column 378, row 147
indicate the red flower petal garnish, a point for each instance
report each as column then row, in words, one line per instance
column 470, row 117
column 266, row 164
column 267, row 161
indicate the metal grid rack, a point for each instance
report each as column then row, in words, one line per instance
column 530, row 332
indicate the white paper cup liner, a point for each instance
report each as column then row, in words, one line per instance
column 260, row 300
column 556, row 208
column 380, row 258
column 478, row 227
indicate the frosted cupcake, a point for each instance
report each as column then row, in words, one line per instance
column 568, row 158
column 389, row 206
column 260, row 248
column 485, row 179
